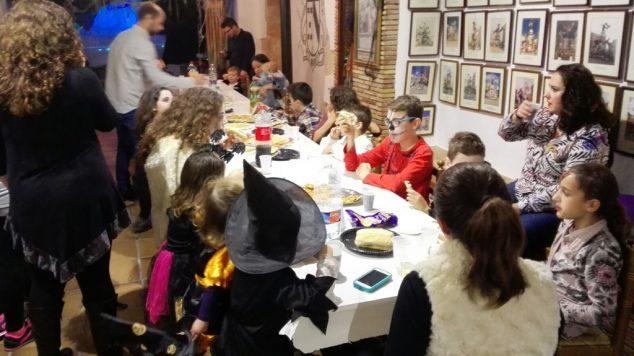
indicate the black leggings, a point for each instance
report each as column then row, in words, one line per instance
column 14, row 282
column 142, row 189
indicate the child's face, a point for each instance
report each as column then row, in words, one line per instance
column 570, row 202
column 462, row 158
column 164, row 101
column 296, row 105
column 233, row 77
column 401, row 130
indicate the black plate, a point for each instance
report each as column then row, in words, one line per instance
column 285, row 154
column 348, row 237
column 346, row 192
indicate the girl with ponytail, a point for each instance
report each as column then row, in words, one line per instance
column 585, row 257
column 475, row 295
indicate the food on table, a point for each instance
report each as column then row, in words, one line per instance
column 241, row 118
column 351, row 199
column 379, row 219
column 374, row 239
column 276, row 141
column 310, row 189
column 236, row 134
column 239, row 125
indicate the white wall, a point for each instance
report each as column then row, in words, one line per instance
column 250, row 15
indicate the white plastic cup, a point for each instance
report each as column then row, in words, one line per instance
column 265, row 164
column 336, row 246
column 368, row 200
column 293, row 132
column 408, row 252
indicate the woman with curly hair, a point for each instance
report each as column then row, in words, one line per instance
column 571, row 129
column 64, row 209
column 168, row 141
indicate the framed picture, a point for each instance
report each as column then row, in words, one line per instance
column 477, row 3
column 367, row 14
column 423, row 4
column 473, row 42
column 470, row 75
column 428, row 120
column 566, row 38
column 530, row 37
column 492, row 90
column 534, row 1
column 604, row 42
column 609, row 2
column 609, row 92
column 448, row 81
column 629, row 75
column 625, row 142
column 524, row 86
column 454, row 3
column 424, row 33
column 571, row 2
column 452, row 35
column 498, row 36
column 501, row 2
column 419, row 80
column 545, row 87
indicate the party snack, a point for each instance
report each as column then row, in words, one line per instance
column 375, row 239
column 379, row 219
column 347, row 117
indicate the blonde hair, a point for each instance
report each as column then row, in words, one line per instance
column 37, row 46
column 270, row 67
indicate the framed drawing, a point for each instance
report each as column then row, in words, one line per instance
column 470, row 75
column 475, row 25
column 545, row 87
column 492, row 90
column 566, row 38
column 454, row 3
column 604, row 42
column 367, row 31
column 426, row 127
column 448, row 81
column 625, row 142
column 498, row 36
column 530, row 37
column 423, row 4
column 609, row 92
column 629, row 75
column 571, row 2
column 524, row 86
column 477, row 3
column 534, row 1
column 419, row 80
column 452, row 35
column 609, row 2
column 501, row 2
column 424, row 33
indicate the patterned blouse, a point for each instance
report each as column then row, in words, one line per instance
column 586, row 265
column 549, row 156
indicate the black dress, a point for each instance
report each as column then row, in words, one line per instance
column 184, row 243
column 181, row 30
column 65, row 208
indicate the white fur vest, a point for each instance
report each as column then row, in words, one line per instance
column 525, row 325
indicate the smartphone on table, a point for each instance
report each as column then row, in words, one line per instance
column 373, row 280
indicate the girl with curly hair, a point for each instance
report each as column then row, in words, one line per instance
column 64, row 209
column 571, row 129
column 585, row 257
column 168, row 141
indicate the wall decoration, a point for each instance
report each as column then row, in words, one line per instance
column 367, row 32
column 454, row 3
column 474, row 33
column 424, row 33
column 501, row 2
column 629, row 76
column 534, row 1
column 477, row 3
column 609, row 2
column 566, row 38
column 428, row 120
column 625, row 142
column 571, row 2
column 419, row 80
column 603, row 42
column 530, row 37
column 423, row 4
column 470, row 75
column 492, row 90
column 448, row 81
column 498, row 36
column 524, row 86
column 609, row 92
column 452, row 34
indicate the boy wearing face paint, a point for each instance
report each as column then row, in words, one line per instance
column 403, row 155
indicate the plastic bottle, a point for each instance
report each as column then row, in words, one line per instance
column 263, row 128
column 213, row 76
column 192, row 69
column 329, row 201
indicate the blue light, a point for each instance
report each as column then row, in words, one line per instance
column 114, row 18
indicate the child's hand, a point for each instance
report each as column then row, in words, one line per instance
column 325, row 251
column 335, row 133
column 363, row 170
column 198, row 327
column 417, row 200
column 346, row 129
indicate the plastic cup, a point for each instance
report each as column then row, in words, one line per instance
column 293, row 132
column 408, row 252
column 265, row 164
column 368, row 200
column 336, row 247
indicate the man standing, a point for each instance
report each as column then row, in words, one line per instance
column 240, row 47
column 133, row 66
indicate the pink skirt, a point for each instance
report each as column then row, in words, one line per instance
column 157, row 302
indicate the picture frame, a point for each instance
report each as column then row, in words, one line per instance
column 419, row 79
column 530, row 37
column 609, row 92
column 570, row 3
column 493, row 88
column 424, row 33
column 448, row 81
column 534, row 2
column 603, row 38
column 474, row 35
column 498, row 36
column 450, row 4
column 426, row 127
column 625, row 140
column 525, row 85
column 470, row 77
column 629, row 74
column 477, row 3
column 452, row 34
column 599, row 3
column 423, row 4
column 367, row 33
column 566, row 38
column 501, row 2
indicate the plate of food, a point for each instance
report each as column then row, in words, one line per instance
column 351, row 197
column 376, row 242
column 240, row 118
column 239, row 125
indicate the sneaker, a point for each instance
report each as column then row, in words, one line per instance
column 141, row 225
column 3, row 326
column 15, row 340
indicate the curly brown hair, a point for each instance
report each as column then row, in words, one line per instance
column 193, row 116
column 37, row 46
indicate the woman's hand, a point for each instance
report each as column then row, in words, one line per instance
column 198, row 327
column 525, row 110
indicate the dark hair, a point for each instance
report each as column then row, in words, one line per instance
column 201, row 167
column 582, row 100
column 467, row 143
column 228, row 22
column 596, row 181
column 363, row 114
column 261, row 57
column 146, row 111
column 343, row 96
column 148, row 8
column 410, row 104
column 301, row 91
column 473, row 202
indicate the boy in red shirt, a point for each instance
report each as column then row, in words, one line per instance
column 404, row 155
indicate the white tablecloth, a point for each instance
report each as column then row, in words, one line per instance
column 236, row 101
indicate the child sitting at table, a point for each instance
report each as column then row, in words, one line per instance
column 403, row 155
column 306, row 114
column 360, row 117
column 463, row 147
column 585, row 257
column 271, row 85
column 232, row 79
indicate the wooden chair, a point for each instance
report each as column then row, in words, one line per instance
column 596, row 342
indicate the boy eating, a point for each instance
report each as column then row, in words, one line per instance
column 359, row 117
column 307, row 114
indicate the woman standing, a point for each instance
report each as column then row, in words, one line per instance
column 65, row 209
column 571, row 129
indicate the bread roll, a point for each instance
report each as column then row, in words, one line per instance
column 375, row 239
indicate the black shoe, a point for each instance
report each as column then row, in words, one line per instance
column 66, row 352
column 141, row 225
